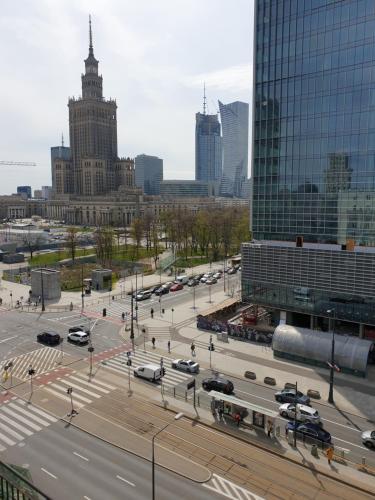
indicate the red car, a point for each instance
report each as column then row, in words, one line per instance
column 176, row 287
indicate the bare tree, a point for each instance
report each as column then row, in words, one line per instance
column 32, row 242
column 72, row 241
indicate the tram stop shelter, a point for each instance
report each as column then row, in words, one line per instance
column 251, row 415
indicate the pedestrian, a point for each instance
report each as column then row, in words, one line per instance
column 269, row 428
column 169, row 346
column 39, row 299
column 153, row 342
column 152, row 313
column 237, row 418
column 329, row 454
column 221, row 412
column 192, row 347
column 213, row 407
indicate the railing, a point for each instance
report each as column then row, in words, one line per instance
column 14, row 486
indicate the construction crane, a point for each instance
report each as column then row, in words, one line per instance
column 18, row 163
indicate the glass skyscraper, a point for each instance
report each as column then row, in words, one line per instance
column 148, row 173
column 235, row 128
column 208, row 148
column 313, row 170
column 314, row 127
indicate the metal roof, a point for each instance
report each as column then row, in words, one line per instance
column 350, row 352
column 244, row 404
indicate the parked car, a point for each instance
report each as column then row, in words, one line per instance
column 78, row 337
column 193, row 282
column 50, row 338
column 74, row 329
column 368, row 438
column 143, row 295
column 185, row 365
column 154, row 288
column 309, row 431
column 168, row 284
column 176, row 287
column 232, row 270
column 211, row 281
column 150, row 372
column 205, row 277
column 162, row 290
column 218, row 384
column 217, row 276
column 289, row 396
column 199, row 276
column 237, row 267
column 183, row 279
column 304, row 413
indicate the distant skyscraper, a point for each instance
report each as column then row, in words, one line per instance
column 24, row 191
column 148, row 173
column 235, row 126
column 208, row 146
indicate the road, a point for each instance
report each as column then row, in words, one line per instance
column 65, row 462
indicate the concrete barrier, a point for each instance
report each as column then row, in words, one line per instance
column 313, row 394
column 289, row 385
column 250, row 375
column 269, row 381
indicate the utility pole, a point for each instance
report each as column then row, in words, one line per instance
column 295, row 418
column 209, row 294
column 136, row 293
column 82, row 291
column 73, row 412
column 31, row 373
column 132, row 319
column 172, row 315
column 332, row 363
column 129, row 363
column 211, row 348
column 91, row 351
column 42, row 286
column 194, row 297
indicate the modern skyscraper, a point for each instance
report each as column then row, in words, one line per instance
column 235, row 129
column 94, row 167
column 313, row 167
column 208, row 146
column 148, row 173
column 24, row 191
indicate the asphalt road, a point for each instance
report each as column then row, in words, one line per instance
column 65, row 462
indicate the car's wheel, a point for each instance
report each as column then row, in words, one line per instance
column 369, row 444
column 173, row 365
column 135, row 374
column 278, row 399
column 284, row 414
column 205, row 386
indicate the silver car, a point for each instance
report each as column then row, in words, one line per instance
column 185, row 365
column 304, row 413
column 368, row 439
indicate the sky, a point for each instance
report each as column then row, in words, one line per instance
column 154, row 56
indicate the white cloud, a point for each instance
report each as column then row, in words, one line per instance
column 234, row 78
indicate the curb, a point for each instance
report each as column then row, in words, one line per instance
column 273, row 452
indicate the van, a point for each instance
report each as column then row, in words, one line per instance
column 183, row 279
column 149, row 372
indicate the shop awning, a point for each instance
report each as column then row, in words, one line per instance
column 219, row 307
column 244, row 404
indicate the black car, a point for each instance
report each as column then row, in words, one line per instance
column 218, row 384
column 289, row 396
column 50, row 338
column 162, row 290
column 309, row 431
column 154, row 288
column 74, row 329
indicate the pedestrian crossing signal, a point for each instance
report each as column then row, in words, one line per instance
column 129, row 362
column 211, row 347
column 163, row 371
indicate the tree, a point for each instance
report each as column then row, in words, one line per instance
column 104, row 239
column 32, row 242
column 136, row 232
column 72, row 241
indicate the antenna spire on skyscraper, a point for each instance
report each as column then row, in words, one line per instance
column 204, row 98
column 62, row 139
column 91, row 49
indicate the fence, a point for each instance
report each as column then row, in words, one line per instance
column 14, row 486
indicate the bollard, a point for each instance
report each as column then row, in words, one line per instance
column 198, row 401
column 185, row 395
column 290, row 437
column 314, row 451
column 364, row 461
column 174, row 392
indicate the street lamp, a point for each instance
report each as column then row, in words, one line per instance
column 132, row 319
column 82, row 290
column 177, row 417
column 42, row 285
column 332, row 363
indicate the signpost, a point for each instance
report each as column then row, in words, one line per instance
column 129, row 363
column 191, row 385
column 91, row 350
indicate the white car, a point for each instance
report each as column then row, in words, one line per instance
column 217, row 276
column 185, row 365
column 304, row 413
column 78, row 337
column 205, row 277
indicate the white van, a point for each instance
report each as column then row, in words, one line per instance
column 149, row 372
column 183, row 279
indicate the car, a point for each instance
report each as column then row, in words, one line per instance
column 218, row 384
column 185, row 365
column 368, row 439
column 154, row 288
column 168, row 284
column 151, row 372
column 162, row 290
column 304, row 413
column 193, row 282
column 78, row 337
column 211, row 281
column 232, row 270
column 309, row 431
column 217, row 276
column 205, row 277
column 50, row 338
column 237, row 267
column 289, row 396
column 143, row 295
column 198, row 276
column 176, row 287
column 74, row 329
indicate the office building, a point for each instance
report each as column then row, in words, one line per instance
column 208, row 147
column 46, row 192
column 235, row 130
column 24, row 191
column 190, row 188
column 91, row 165
column 38, row 194
column 148, row 173
column 313, row 168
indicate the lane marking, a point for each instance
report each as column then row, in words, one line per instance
column 9, row 338
column 348, row 442
column 49, row 473
column 125, row 481
column 86, row 498
column 80, row 456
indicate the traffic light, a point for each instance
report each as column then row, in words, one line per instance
column 129, row 362
column 163, row 371
column 31, row 372
column 211, row 347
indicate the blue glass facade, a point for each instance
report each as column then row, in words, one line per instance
column 208, row 148
column 314, row 124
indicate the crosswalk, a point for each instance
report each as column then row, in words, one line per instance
column 84, row 389
column 42, row 360
column 229, row 489
column 20, row 420
column 171, row 378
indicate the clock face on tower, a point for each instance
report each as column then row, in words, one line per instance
column 91, row 69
